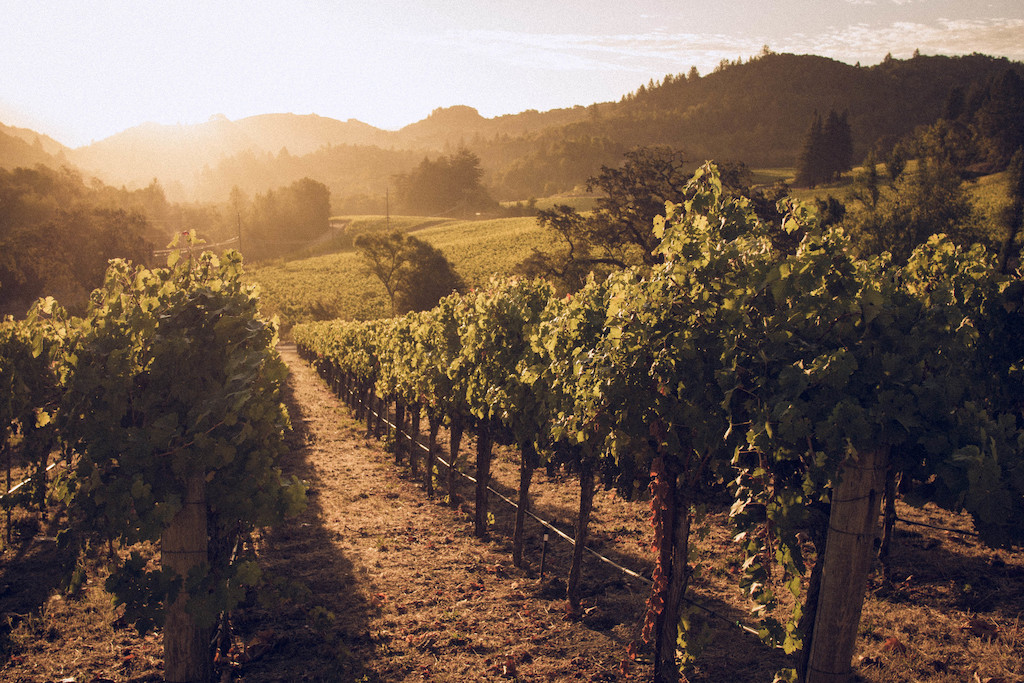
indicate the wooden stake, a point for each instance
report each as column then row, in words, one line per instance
column 483, row 478
column 183, row 547
column 849, row 551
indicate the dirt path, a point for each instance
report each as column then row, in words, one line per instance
column 395, row 586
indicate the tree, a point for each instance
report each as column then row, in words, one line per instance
column 384, row 257
column 287, row 218
column 448, row 186
column 427, row 277
column 1000, row 119
column 810, row 170
column 930, row 201
column 952, row 143
column 1015, row 211
column 839, row 143
column 415, row 274
column 827, row 150
column 620, row 232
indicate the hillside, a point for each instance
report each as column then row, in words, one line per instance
column 757, row 112
column 21, row 147
column 336, row 285
column 197, row 161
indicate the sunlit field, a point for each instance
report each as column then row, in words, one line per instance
column 337, row 285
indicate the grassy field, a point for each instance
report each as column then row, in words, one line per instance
column 336, row 285
column 346, row 228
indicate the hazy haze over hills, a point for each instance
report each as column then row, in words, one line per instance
column 757, row 112
column 84, row 71
column 175, row 155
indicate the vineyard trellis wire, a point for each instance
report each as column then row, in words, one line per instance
column 550, row 526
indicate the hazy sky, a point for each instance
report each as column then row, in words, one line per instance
column 81, row 70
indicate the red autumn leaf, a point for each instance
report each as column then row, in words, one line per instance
column 892, row 644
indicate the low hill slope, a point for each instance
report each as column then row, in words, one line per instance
column 337, row 285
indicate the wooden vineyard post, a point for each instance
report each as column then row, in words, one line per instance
column 413, row 442
column 454, row 440
column 849, row 551
column 368, row 408
column 399, row 430
column 572, row 590
column 183, row 546
column 434, row 424
column 483, row 478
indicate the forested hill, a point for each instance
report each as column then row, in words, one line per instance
column 759, row 111
column 756, row 111
column 27, row 148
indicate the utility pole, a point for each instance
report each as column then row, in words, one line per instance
column 238, row 215
column 387, row 208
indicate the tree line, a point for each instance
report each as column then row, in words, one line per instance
column 57, row 233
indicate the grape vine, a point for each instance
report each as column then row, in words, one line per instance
column 733, row 365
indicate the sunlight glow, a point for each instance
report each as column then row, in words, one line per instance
column 81, row 72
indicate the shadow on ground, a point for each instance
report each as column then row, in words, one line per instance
column 314, row 626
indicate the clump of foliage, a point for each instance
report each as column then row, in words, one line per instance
column 56, row 234
column 415, row 274
column 618, row 233
column 283, row 220
column 447, row 186
column 917, row 204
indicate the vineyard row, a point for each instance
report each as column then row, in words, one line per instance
column 769, row 365
column 164, row 402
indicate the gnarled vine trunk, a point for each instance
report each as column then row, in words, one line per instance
column 572, row 591
column 454, row 442
column 527, row 464
column 670, row 508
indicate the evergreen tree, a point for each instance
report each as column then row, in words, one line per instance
column 810, row 170
column 827, row 150
column 448, row 186
column 1000, row 119
column 838, row 151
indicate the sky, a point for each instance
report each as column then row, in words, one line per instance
column 83, row 70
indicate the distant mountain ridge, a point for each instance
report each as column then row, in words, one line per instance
column 757, row 112
column 177, row 153
column 27, row 148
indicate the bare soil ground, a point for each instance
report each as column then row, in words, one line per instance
column 375, row 582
